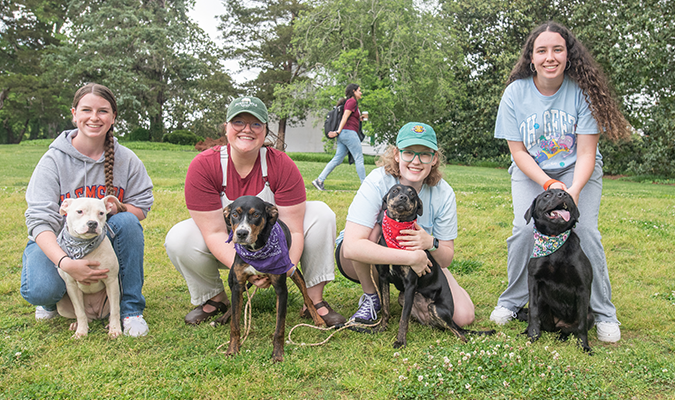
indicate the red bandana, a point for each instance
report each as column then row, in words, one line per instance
column 392, row 228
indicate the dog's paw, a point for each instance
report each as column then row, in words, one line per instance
column 398, row 344
column 114, row 333
column 79, row 334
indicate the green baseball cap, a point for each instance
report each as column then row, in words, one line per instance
column 416, row 133
column 247, row 104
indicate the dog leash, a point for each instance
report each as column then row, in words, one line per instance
column 348, row 325
column 247, row 319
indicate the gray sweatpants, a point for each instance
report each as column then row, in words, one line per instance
column 520, row 244
column 189, row 254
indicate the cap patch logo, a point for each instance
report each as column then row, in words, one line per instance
column 246, row 102
column 418, row 129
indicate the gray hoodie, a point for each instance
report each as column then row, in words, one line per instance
column 63, row 172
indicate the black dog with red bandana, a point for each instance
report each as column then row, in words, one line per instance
column 402, row 205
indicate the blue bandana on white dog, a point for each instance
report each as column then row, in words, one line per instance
column 546, row 245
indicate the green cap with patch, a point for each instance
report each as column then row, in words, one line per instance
column 416, row 133
column 247, row 104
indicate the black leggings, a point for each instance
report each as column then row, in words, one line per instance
column 338, row 250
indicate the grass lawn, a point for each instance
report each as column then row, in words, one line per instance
column 637, row 220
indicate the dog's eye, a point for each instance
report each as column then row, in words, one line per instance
column 256, row 215
column 78, row 211
column 101, row 213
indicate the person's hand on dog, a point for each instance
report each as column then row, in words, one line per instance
column 422, row 264
column 82, row 271
column 415, row 239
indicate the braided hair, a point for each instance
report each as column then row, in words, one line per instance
column 583, row 69
column 109, row 144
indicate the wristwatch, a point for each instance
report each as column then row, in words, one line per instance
column 435, row 246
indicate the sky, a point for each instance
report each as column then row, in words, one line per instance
column 206, row 13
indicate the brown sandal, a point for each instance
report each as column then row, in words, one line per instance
column 198, row 315
column 332, row 318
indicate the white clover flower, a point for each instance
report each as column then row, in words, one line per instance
column 401, row 378
column 420, row 378
column 506, row 384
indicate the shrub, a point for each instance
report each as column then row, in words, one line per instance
column 182, row 136
column 139, row 135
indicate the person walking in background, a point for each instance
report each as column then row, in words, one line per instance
column 87, row 161
column 348, row 139
column 556, row 104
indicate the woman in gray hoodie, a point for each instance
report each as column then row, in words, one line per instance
column 87, row 162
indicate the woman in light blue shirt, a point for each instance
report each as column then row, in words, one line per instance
column 414, row 161
column 553, row 110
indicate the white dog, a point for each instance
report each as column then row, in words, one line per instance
column 85, row 228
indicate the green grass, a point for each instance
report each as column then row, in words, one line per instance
column 637, row 220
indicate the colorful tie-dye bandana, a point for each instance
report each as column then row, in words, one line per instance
column 546, row 245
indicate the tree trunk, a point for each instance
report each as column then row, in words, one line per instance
column 281, row 135
column 3, row 97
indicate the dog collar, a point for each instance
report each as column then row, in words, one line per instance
column 547, row 245
column 77, row 248
column 391, row 229
column 273, row 258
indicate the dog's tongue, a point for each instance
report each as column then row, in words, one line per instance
column 564, row 214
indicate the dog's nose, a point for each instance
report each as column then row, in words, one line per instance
column 92, row 224
column 242, row 234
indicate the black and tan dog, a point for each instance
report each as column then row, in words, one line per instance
column 559, row 273
column 402, row 204
column 262, row 242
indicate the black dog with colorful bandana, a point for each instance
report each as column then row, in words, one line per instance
column 559, row 273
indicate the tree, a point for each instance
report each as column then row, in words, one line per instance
column 154, row 58
column 259, row 33
column 396, row 50
column 28, row 103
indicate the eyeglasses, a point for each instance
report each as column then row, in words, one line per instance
column 239, row 125
column 425, row 157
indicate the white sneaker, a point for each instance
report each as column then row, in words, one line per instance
column 608, row 331
column 135, row 326
column 42, row 315
column 501, row 315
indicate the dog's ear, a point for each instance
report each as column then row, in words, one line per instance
column 112, row 201
column 63, row 210
column 574, row 211
column 226, row 215
column 530, row 212
column 272, row 213
column 420, row 208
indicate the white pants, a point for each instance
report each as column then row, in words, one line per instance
column 188, row 252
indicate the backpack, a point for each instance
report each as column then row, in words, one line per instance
column 333, row 119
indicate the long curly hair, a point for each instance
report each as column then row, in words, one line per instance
column 388, row 161
column 109, row 144
column 583, row 69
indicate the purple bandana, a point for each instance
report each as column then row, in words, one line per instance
column 545, row 245
column 272, row 258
